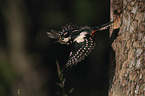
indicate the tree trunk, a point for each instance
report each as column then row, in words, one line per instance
column 129, row 47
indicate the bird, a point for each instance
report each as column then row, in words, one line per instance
column 80, row 38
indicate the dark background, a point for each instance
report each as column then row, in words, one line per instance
column 87, row 78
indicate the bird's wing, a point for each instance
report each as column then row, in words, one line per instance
column 80, row 50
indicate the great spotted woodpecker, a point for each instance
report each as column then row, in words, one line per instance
column 81, row 39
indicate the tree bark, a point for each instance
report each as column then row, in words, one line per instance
column 129, row 47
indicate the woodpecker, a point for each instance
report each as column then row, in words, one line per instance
column 81, row 39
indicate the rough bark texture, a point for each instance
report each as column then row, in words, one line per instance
column 129, row 47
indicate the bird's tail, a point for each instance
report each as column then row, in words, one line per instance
column 101, row 27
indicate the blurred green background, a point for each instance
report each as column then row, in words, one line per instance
column 28, row 57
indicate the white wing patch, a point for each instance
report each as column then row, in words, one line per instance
column 80, row 38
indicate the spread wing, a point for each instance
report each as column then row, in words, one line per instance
column 80, row 51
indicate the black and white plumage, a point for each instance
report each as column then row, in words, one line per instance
column 81, row 39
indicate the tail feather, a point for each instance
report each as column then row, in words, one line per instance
column 103, row 27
